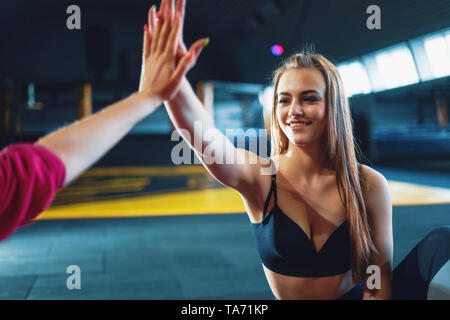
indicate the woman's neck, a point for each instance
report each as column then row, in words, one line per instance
column 308, row 161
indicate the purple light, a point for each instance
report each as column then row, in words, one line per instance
column 277, row 50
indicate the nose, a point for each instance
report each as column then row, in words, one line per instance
column 295, row 109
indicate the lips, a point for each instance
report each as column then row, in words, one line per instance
column 298, row 124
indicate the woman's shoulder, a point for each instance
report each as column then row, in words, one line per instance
column 375, row 189
column 371, row 179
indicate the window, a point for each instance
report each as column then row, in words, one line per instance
column 437, row 49
column 355, row 78
column 396, row 67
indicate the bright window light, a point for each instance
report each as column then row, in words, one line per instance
column 355, row 78
column 438, row 52
column 266, row 100
column 396, row 67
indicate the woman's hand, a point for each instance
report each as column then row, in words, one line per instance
column 160, row 74
column 181, row 49
column 165, row 63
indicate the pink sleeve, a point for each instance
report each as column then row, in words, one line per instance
column 30, row 176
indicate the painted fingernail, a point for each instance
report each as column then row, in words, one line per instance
column 145, row 28
column 177, row 16
column 166, row 12
column 206, row 42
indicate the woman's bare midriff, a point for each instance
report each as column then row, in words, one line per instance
column 299, row 288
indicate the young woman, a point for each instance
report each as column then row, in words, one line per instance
column 321, row 221
column 31, row 174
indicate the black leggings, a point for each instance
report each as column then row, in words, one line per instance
column 411, row 278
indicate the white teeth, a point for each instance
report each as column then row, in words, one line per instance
column 299, row 124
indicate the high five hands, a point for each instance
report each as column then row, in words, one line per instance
column 165, row 60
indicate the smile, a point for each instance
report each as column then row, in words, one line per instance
column 299, row 124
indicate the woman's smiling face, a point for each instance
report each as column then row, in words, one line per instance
column 301, row 105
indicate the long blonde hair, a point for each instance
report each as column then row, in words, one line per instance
column 340, row 154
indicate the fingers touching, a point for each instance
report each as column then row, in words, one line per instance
column 152, row 19
column 172, row 44
column 181, row 4
column 168, row 22
column 146, row 43
column 166, row 27
column 165, row 58
column 197, row 47
column 183, row 67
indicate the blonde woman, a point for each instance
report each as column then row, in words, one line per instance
column 322, row 222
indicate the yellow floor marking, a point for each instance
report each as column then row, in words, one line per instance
column 209, row 201
column 404, row 194
column 107, row 186
column 185, row 201
column 146, row 171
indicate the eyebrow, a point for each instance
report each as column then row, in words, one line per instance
column 303, row 92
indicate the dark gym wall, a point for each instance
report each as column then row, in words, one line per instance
column 37, row 44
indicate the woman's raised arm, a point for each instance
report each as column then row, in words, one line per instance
column 231, row 166
column 82, row 143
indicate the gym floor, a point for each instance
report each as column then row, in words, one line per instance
column 173, row 233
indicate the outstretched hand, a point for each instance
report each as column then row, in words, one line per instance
column 181, row 49
column 165, row 60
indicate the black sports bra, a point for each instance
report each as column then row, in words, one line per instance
column 286, row 249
